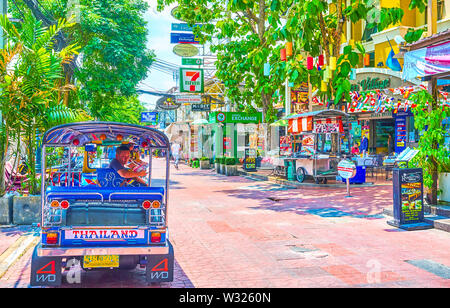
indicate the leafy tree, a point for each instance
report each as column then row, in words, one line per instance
column 115, row 56
column 317, row 27
column 30, row 75
column 433, row 157
column 240, row 33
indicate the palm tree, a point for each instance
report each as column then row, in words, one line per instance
column 31, row 73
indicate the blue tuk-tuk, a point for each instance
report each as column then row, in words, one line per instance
column 95, row 218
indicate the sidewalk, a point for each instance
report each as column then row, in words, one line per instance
column 436, row 215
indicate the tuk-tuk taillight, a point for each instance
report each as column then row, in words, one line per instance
column 65, row 204
column 54, row 204
column 156, row 204
column 52, row 238
column 146, row 204
column 155, row 237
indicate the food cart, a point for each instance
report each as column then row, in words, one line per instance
column 317, row 140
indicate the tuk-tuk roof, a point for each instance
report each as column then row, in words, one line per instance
column 90, row 132
column 326, row 113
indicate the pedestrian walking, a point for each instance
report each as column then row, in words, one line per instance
column 176, row 148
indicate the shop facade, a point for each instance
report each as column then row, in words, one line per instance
column 234, row 132
column 379, row 110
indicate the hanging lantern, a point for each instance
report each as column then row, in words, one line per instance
column 321, row 60
column 366, row 59
column 102, row 136
column 266, row 69
column 333, row 63
column 310, row 63
column 283, row 54
column 76, row 142
column 119, row 137
column 326, row 74
column 353, row 74
column 289, row 49
column 323, row 86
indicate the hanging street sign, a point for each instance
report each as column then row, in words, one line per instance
column 201, row 107
column 167, row 103
column 149, row 116
column 183, row 38
column 183, row 27
column 189, row 99
column 191, row 61
column 191, row 80
column 185, row 50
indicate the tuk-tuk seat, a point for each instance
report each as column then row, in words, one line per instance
column 105, row 193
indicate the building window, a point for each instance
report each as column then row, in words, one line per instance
column 440, row 9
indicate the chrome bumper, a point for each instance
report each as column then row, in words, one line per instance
column 98, row 251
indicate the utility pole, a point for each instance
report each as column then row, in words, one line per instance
column 432, row 17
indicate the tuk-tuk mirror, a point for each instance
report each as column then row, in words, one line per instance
column 90, row 148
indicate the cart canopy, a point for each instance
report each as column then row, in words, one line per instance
column 83, row 133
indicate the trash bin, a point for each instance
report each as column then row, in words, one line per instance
column 360, row 176
column 290, row 169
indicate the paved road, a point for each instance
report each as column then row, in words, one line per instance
column 237, row 232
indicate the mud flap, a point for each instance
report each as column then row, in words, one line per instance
column 45, row 271
column 160, row 267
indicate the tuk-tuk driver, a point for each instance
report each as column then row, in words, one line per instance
column 118, row 164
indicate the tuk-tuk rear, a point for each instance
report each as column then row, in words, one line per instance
column 94, row 217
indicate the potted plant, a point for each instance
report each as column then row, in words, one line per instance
column 195, row 163
column 444, row 182
column 204, row 163
column 230, row 166
column 217, row 164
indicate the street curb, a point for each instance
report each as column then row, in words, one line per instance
column 301, row 185
column 16, row 251
column 437, row 221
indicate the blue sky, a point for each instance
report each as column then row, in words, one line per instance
column 159, row 24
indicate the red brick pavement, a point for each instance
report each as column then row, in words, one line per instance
column 226, row 232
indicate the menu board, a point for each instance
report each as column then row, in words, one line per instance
column 250, row 160
column 408, row 196
column 308, row 143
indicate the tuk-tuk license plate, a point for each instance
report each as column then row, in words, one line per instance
column 101, row 261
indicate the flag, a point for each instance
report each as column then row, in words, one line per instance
column 391, row 62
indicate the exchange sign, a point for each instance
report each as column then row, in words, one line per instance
column 191, row 80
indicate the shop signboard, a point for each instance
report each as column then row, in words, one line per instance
column 201, row 107
column 227, row 143
column 167, row 103
column 408, row 199
column 191, row 61
column 183, row 38
column 191, row 80
column 235, row 117
column 250, row 160
column 189, row 99
column 185, row 50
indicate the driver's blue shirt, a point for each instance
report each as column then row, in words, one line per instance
column 116, row 165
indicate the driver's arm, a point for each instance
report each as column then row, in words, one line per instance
column 128, row 174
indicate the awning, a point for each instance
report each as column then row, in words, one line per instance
column 327, row 113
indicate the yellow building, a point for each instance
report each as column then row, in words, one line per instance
column 376, row 43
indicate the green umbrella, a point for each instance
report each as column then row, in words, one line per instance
column 280, row 123
column 200, row 122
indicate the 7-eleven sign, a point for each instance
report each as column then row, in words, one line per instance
column 191, row 80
